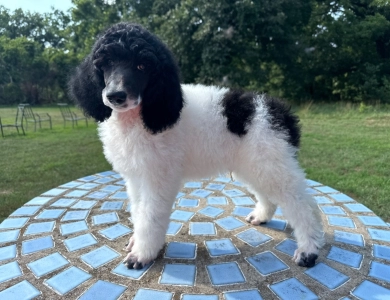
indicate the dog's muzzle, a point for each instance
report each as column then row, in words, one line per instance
column 117, row 98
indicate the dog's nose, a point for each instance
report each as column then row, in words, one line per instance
column 117, row 98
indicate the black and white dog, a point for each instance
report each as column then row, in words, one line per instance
column 158, row 133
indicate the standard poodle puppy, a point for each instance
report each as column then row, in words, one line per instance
column 158, row 133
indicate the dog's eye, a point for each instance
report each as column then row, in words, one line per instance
column 141, row 67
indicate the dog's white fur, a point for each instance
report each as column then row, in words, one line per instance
column 199, row 145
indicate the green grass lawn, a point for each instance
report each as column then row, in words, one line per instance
column 345, row 147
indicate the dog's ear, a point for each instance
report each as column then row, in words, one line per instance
column 85, row 88
column 162, row 101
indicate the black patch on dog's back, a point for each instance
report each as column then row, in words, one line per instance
column 239, row 108
column 282, row 119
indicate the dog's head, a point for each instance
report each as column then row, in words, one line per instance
column 129, row 67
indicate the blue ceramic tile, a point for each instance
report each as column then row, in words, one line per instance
column 111, row 217
column 246, row 294
column 111, row 188
column 311, row 191
column 12, row 223
column 380, row 235
column 179, row 195
column 380, row 271
column 341, row 222
column 217, row 201
column 370, row 290
column 292, row 289
column 357, row 208
column 70, row 185
column 327, row 276
column 349, row 238
column 267, row 263
column 75, row 215
column 54, row 192
column 174, row 228
column 230, row 223
column 84, row 204
column 88, row 186
column 241, row 211
column 341, row 198
column 39, row 201
column 202, row 228
column 47, row 264
column 7, row 252
column 198, row 297
column 121, row 182
column 40, row 244
column 372, row 221
column 10, row 271
column 42, row 227
column 211, row 211
column 275, row 224
column 98, row 195
column 77, row 193
column 288, row 247
column 103, row 290
column 200, row 193
column 25, row 211
column 223, row 179
column 215, row 186
column 346, row 257
column 112, row 205
column 193, row 185
column 80, row 242
column 221, row 247
column 50, row 214
column 310, row 182
column 21, row 291
column 181, row 215
column 145, row 294
column 238, row 183
column 120, row 196
column 326, row 189
column 104, row 180
column 253, row 238
column 64, row 202
column 122, row 270
column 243, row 201
column 99, row 256
column 332, row 210
column 89, row 178
column 322, row 200
column 233, row 193
column 178, row 274
column 278, row 212
column 115, row 231
column 381, row 251
column 9, row 236
column 107, row 173
column 183, row 202
column 181, row 250
column 67, row 280
column 225, row 273
column 73, row 227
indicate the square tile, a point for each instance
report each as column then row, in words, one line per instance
column 322, row 200
column 198, row 297
column 178, row 274
column 215, row 186
column 370, row 290
column 357, row 208
column 181, row 215
column 381, row 251
column 327, row 276
column 119, row 196
column 63, row 202
column 201, row 193
column 174, row 228
column 380, row 271
column 20, row 291
column 120, row 182
column 9, row 236
column 278, row 211
column 47, row 264
column 112, row 205
column 380, row 235
column 103, row 290
column 193, row 185
column 341, row 198
column 230, row 223
column 73, row 227
column 292, row 289
column 111, row 188
column 238, row 183
column 223, row 179
column 75, row 215
column 179, row 195
column 225, row 274
column 221, row 247
column 202, row 228
column 88, row 186
column 180, row 250
column 54, row 192
column 98, row 195
column 37, row 228
column 253, row 238
column 80, row 242
column 146, row 294
column 134, row 274
column 311, row 191
column 108, row 173
column 7, row 252
column 84, row 204
column 241, row 211
column 50, row 214
column 99, row 257
column 12, row 223
column 25, row 211
column 288, row 246
column 183, row 202
column 245, row 294
column 349, row 238
column 326, row 189
column 346, row 257
column 275, row 224
column 341, row 222
column 39, row 201
column 89, row 178
column 244, row 201
column 105, row 180
column 267, row 263
column 10, row 271
column 77, row 193
column 211, row 211
column 233, row 193
column 115, row 231
column 332, row 210
column 70, row 185
column 310, row 182
column 67, row 280
column 217, row 201
column 111, row 217
column 36, row 245
column 372, row 221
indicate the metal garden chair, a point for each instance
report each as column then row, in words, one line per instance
column 30, row 117
column 69, row 115
column 18, row 122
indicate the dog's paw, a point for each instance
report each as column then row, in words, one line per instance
column 133, row 262
column 130, row 245
column 304, row 259
column 254, row 219
column 141, row 253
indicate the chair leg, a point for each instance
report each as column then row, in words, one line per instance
column 50, row 125
column 2, row 133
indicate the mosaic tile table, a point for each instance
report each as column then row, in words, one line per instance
column 68, row 242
